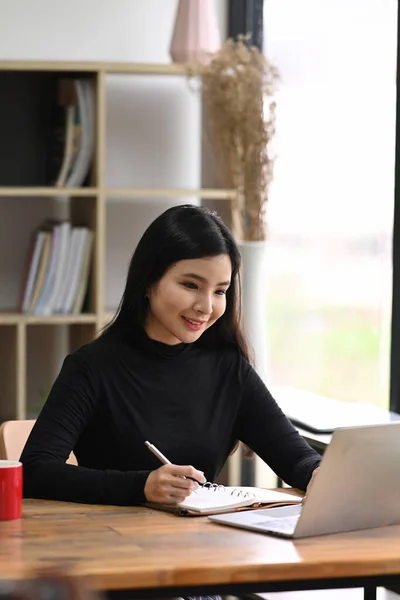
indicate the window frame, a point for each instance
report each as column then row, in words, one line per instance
column 247, row 17
column 395, row 325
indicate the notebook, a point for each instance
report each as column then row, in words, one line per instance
column 357, row 487
column 213, row 499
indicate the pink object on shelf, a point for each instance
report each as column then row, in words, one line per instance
column 195, row 34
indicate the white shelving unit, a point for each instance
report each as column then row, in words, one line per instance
column 87, row 207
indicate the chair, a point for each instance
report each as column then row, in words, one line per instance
column 48, row 584
column 13, row 436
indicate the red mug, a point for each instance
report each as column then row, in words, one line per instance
column 10, row 490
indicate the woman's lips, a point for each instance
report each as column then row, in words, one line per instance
column 193, row 324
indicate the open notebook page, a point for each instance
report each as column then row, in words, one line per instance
column 219, row 500
column 264, row 496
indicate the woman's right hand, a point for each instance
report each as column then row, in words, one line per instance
column 169, row 483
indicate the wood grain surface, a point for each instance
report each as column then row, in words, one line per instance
column 135, row 547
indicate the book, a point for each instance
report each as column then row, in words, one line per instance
column 41, row 272
column 68, row 146
column 64, row 130
column 86, row 107
column 213, row 499
column 31, row 267
column 84, row 272
column 73, row 132
column 60, row 259
column 61, row 270
column 48, row 281
column 71, row 267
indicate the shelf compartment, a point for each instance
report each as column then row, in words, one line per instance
column 45, row 348
column 80, row 334
column 88, row 214
column 12, row 369
column 44, row 365
column 32, row 120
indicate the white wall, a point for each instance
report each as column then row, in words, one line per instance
column 118, row 30
column 153, row 122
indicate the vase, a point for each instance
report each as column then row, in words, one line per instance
column 253, row 278
column 254, row 315
column 195, row 35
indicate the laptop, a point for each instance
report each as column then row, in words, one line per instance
column 357, row 487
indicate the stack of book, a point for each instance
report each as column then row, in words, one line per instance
column 57, row 270
column 73, row 133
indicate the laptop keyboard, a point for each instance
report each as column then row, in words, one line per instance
column 281, row 524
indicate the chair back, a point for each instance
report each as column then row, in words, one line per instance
column 13, row 436
column 48, row 583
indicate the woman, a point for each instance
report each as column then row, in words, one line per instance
column 172, row 368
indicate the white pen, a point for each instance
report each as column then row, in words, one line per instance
column 159, row 454
column 165, row 460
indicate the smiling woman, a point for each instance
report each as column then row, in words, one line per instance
column 188, row 299
column 171, row 368
column 183, row 278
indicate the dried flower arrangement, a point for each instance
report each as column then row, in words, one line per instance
column 239, row 86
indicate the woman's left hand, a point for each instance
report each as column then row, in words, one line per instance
column 314, row 473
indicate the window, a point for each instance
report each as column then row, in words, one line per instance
column 330, row 212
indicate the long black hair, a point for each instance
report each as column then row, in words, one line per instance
column 181, row 233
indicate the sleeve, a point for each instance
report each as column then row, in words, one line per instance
column 263, row 427
column 71, row 403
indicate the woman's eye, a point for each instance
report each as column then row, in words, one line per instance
column 221, row 292
column 190, row 285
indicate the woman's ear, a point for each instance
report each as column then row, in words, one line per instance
column 149, row 292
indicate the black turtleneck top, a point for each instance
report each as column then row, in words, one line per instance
column 192, row 402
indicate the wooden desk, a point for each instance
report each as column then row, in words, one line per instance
column 157, row 554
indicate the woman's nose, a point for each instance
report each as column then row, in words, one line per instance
column 204, row 305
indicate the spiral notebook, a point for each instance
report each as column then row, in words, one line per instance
column 212, row 499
